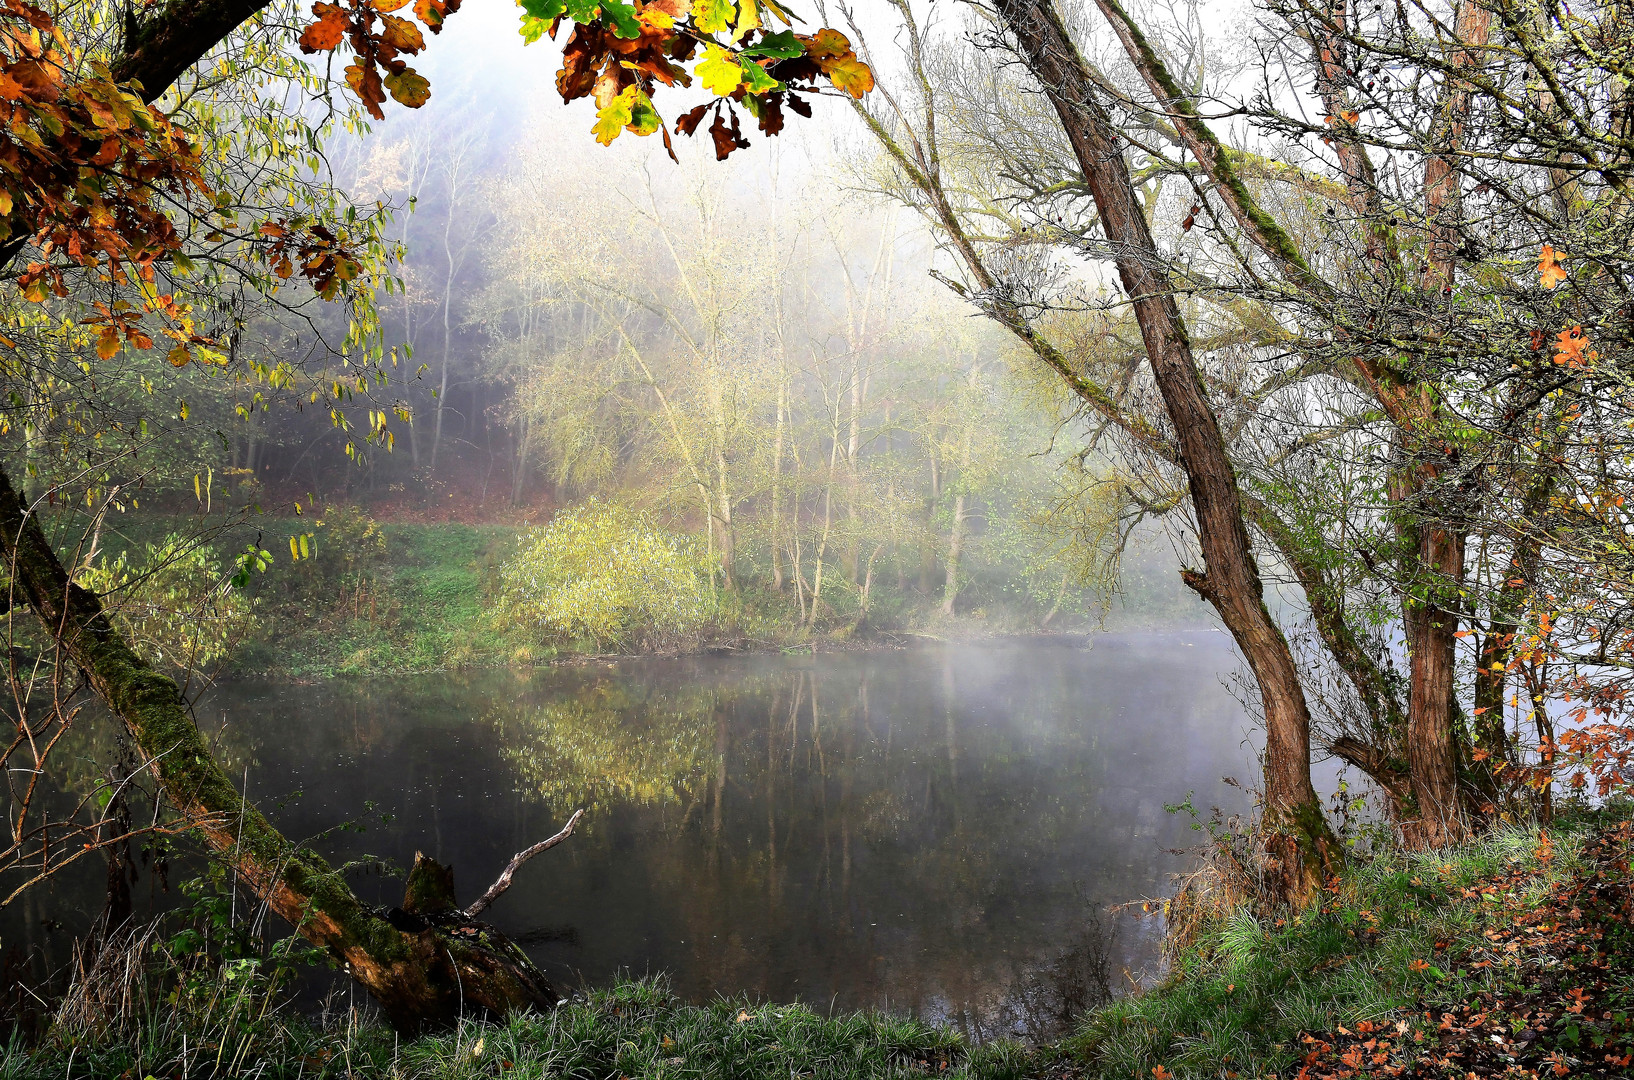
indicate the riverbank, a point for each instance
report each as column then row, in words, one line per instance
column 396, row 598
column 1510, row 957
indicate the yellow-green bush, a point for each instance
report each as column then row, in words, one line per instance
column 172, row 602
column 607, row 574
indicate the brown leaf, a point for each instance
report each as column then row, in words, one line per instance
column 689, row 121
column 771, row 114
column 401, row 34
column 727, row 139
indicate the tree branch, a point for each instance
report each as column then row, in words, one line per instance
column 503, row 882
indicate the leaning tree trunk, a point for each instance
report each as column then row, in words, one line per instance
column 425, row 963
column 1303, row 847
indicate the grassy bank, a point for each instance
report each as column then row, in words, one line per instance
column 1510, row 957
column 399, row 598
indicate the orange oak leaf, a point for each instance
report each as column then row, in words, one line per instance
column 328, row 32
column 1550, row 272
column 1569, row 345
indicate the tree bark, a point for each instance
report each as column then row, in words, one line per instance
column 1299, row 838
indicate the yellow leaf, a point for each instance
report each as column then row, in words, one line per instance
column 612, row 118
column 5, row 203
column 711, row 16
column 384, row 6
column 748, row 19
column 719, row 72
column 180, row 356
column 294, row 549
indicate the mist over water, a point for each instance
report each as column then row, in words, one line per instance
column 934, row 831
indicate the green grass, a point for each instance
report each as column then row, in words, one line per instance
column 637, row 1030
column 423, row 607
column 1387, row 948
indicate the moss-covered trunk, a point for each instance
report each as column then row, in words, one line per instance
column 423, row 967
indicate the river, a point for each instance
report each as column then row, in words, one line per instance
column 935, row 831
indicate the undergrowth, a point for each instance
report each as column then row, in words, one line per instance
column 1386, row 975
column 636, row 1029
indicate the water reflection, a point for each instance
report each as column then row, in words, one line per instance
column 931, row 831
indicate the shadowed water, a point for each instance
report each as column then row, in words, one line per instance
column 935, row 831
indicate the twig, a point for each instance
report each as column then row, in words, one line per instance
column 504, row 880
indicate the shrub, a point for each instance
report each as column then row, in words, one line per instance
column 608, row 574
column 172, row 602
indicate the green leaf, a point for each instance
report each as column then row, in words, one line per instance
column 644, row 119
column 582, row 10
column 408, row 87
column 781, row 45
column 548, row 10
column 756, row 81
column 533, row 29
column 622, row 17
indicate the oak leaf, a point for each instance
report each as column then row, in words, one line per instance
column 1569, row 346
column 613, row 117
column 712, row 16
column 401, row 34
column 719, row 72
column 328, row 32
column 1550, row 272
column 851, row 75
column 826, row 42
column 408, row 87
column 748, row 19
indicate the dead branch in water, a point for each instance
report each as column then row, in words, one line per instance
column 503, row 882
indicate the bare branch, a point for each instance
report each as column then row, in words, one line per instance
column 504, row 880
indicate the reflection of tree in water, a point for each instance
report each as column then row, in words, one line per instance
column 886, row 848
column 611, row 742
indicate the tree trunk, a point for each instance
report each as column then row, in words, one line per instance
column 1432, row 558
column 419, row 967
column 955, row 546
column 777, row 484
column 1303, row 847
column 1432, row 747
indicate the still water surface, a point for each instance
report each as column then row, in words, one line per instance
column 934, row 831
